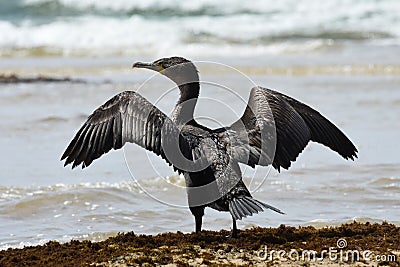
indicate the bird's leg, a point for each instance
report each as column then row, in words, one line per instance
column 234, row 229
column 198, row 213
column 199, row 221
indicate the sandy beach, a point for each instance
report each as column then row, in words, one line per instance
column 353, row 244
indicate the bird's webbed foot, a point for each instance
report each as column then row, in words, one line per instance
column 234, row 233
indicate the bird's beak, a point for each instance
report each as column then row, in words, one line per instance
column 149, row 66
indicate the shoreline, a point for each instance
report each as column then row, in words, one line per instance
column 287, row 65
column 285, row 246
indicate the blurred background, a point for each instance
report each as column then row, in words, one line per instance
column 195, row 28
column 61, row 59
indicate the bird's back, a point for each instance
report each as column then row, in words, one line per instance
column 220, row 177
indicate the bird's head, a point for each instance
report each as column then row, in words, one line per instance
column 178, row 69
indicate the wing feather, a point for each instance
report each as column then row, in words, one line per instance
column 322, row 130
column 127, row 117
column 276, row 128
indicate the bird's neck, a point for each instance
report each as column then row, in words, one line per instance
column 183, row 112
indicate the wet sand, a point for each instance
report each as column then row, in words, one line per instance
column 376, row 245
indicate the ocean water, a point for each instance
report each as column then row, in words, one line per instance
column 340, row 57
column 199, row 28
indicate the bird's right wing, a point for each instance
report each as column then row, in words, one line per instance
column 275, row 128
column 127, row 117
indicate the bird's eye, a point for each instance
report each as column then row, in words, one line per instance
column 160, row 64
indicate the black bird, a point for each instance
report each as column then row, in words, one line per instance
column 274, row 129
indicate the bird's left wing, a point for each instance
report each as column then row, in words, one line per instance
column 127, row 117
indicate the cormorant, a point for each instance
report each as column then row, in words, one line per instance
column 274, row 129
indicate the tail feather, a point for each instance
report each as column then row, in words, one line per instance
column 238, row 208
column 246, row 206
column 242, row 208
column 268, row 206
column 256, row 207
column 233, row 209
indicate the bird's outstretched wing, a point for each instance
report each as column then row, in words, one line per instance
column 127, row 117
column 275, row 128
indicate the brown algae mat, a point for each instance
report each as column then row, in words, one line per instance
column 13, row 78
column 354, row 244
